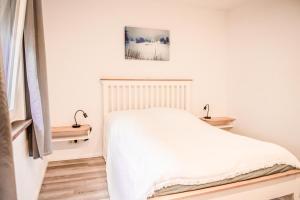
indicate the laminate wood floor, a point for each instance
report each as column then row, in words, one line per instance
column 82, row 179
column 85, row 179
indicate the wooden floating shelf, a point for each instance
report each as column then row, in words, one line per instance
column 219, row 121
column 68, row 133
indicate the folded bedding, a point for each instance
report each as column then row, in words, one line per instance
column 161, row 151
column 243, row 177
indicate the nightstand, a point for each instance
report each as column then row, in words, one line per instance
column 68, row 133
column 225, row 123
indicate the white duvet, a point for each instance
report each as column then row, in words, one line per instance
column 147, row 150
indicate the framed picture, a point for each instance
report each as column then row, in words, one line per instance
column 146, row 44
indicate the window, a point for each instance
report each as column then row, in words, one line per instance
column 12, row 17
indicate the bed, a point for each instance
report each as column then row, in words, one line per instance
column 155, row 148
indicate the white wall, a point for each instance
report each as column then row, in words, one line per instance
column 244, row 62
column 29, row 172
column 85, row 41
column 264, row 80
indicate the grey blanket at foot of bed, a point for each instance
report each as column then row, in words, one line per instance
column 255, row 174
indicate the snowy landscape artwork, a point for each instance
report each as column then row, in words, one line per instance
column 146, row 44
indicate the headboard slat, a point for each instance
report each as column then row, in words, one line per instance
column 130, row 94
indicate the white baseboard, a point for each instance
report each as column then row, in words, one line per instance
column 72, row 156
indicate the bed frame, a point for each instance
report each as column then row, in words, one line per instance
column 139, row 93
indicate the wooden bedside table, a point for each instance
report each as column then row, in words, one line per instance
column 68, row 133
column 225, row 123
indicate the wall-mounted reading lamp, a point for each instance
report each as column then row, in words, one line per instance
column 206, row 107
column 76, row 125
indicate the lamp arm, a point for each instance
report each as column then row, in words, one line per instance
column 76, row 114
column 206, row 107
column 207, row 110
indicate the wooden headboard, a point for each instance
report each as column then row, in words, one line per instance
column 140, row 93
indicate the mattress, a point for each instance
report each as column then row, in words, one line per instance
column 251, row 175
column 159, row 151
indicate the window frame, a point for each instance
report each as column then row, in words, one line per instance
column 15, row 53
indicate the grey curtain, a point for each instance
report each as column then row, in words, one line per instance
column 7, row 176
column 36, row 81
